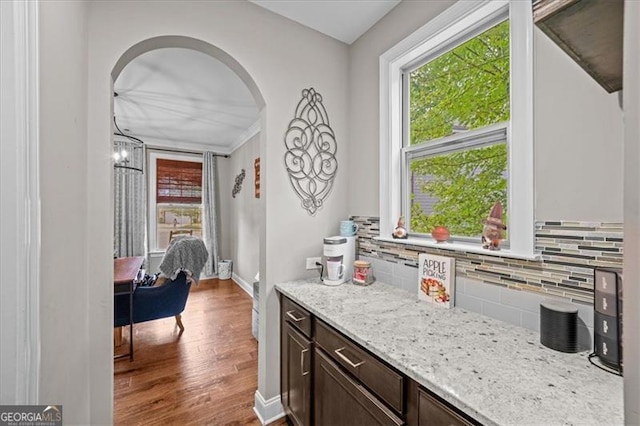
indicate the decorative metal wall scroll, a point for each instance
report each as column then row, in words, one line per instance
column 311, row 152
column 238, row 185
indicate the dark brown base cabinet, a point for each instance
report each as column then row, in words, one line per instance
column 296, row 366
column 329, row 380
column 299, row 377
column 340, row 400
column 433, row 412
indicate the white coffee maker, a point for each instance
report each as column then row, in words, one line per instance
column 338, row 256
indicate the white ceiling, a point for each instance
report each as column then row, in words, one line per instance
column 345, row 20
column 183, row 98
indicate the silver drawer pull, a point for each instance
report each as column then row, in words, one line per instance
column 347, row 360
column 304, row 373
column 293, row 317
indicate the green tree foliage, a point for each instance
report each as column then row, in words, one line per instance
column 465, row 88
column 466, row 184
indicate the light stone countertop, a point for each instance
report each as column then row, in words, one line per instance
column 496, row 372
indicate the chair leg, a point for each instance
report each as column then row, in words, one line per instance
column 117, row 336
column 179, row 322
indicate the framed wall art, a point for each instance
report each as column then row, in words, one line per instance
column 256, row 176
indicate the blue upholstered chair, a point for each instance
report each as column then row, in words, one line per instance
column 156, row 302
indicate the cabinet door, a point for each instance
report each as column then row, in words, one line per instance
column 296, row 377
column 432, row 412
column 381, row 380
column 340, row 400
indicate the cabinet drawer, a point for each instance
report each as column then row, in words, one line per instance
column 432, row 412
column 374, row 374
column 297, row 316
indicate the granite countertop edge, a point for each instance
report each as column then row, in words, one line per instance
column 450, row 391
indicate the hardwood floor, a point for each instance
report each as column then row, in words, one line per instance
column 207, row 375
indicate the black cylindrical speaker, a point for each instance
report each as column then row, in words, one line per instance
column 559, row 326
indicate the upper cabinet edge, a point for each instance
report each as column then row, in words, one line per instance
column 590, row 32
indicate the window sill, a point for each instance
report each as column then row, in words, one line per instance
column 461, row 247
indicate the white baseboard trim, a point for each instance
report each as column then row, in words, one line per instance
column 268, row 411
column 206, row 277
column 242, row 284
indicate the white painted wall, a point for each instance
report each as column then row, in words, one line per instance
column 577, row 125
column 244, row 219
column 10, row 350
column 364, row 96
column 578, row 140
column 19, row 204
column 282, row 58
column 631, row 290
column 66, row 280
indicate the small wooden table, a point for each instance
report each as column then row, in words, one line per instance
column 126, row 275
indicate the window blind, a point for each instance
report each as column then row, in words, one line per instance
column 178, row 182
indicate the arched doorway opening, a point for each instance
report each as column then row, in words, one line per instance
column 189, row 43
column 179, row 42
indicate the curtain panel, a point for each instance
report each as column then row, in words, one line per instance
column 129, row 215
column 210, row 224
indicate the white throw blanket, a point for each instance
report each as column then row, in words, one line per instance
column 188, row 254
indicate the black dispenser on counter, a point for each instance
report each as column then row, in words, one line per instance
column 607, row 319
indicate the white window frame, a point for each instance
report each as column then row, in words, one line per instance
column 474, row 139
column 153, row 213
column 462, row 18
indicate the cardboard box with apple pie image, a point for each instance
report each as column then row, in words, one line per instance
column 436, row 279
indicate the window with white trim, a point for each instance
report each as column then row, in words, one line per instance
column 456, row 126
column 175, row 197
column 455, row 144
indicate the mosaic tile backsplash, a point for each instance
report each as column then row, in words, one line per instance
column 570, row 251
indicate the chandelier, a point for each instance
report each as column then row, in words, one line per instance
column 128, row 152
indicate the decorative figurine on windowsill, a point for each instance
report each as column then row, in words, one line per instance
column 400, row 232
column 493, row 228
